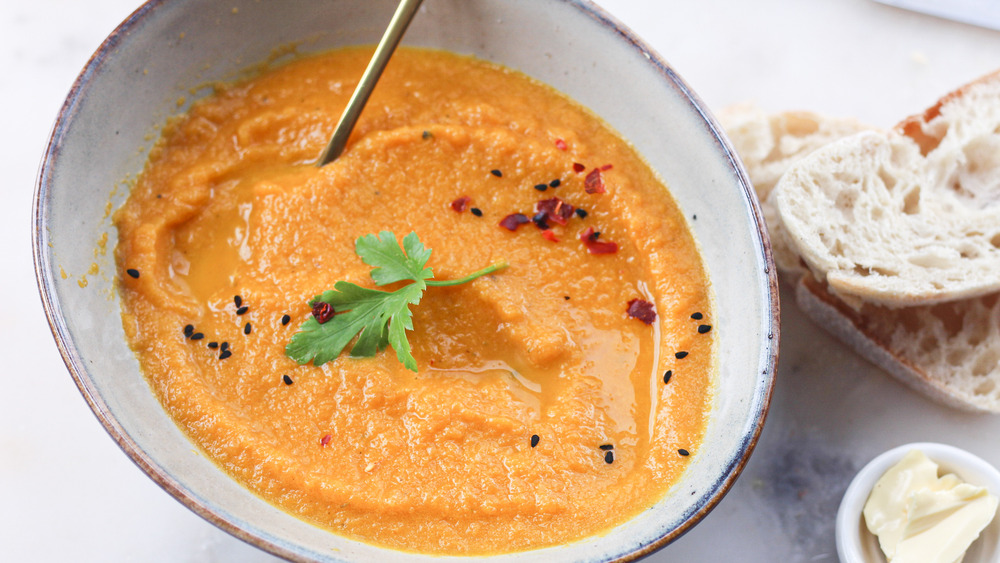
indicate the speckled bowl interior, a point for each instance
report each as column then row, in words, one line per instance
column 161, row 58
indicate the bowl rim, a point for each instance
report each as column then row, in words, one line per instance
column 72, row 360
column 849, row 513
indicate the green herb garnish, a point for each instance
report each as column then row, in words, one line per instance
column 378, row 318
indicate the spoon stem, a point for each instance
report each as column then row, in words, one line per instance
column 393, row 34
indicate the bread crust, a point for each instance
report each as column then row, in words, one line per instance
column 952, row 386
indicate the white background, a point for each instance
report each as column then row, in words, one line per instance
column 68, row 494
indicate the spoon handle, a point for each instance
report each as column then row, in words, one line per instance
column 397, row 26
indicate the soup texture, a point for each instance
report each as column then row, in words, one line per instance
column 553, row 399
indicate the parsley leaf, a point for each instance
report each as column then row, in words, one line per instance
column 377, row 318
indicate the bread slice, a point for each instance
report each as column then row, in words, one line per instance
column 950, row 352
column 907, row 217
column 768, row 144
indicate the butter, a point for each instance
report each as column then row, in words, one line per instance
column 922, row 518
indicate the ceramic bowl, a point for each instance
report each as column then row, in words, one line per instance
column 855, row 544
column 163, row 55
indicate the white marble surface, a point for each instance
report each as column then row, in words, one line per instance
column 68, row 494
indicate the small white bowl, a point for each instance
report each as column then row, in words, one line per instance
column 855, row 544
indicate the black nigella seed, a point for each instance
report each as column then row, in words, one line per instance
column 225, row 354
column 539, row 220
column 426, row 135
column 197, row 336
column 496, row 173
column 286, row 379
column 541, row 187
column 188, row 331
column 133, row 272
column 534, row 440
column 606, row 447
column 238, row 300
column 247, row 328
column 609, row 456
column 213, row 345
column 242, row 310
column 224, row 346
column 697, row 316
column 683, row 452
column 476, row 211
column 285, row 319
column 667, row 375
column 680, row 355
column 566, row 297
column 702, row 329
column 581, row 213
column 555, row 183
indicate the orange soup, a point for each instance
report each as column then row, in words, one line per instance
column 552, row 400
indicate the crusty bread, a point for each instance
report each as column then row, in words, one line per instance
column 950, row 352
column 906, row 217
column 768, row 144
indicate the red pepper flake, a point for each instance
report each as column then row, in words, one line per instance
column 555, row 209
column 561, row 144
column 323, row 311
column 461, row 204
column 513, row 221
column 641, row 310
column 547, row 234
column 577, row 167
column 594, row 246
column 593, row 183
column 326, row 440
column 605, row 168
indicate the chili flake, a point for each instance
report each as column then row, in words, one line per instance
column 577, row 167
column 133, row 272
column 323, row 311
column 593, row 183
column 555, row 209
column 561, row 144
column 641, row 310
column 594, row 246
column 461, row 204
column 326, row 440
column 547, row 234
column 513, row 221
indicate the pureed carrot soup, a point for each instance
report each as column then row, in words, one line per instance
column 552, row 399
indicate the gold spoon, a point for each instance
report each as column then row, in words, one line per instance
column 397, row 26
